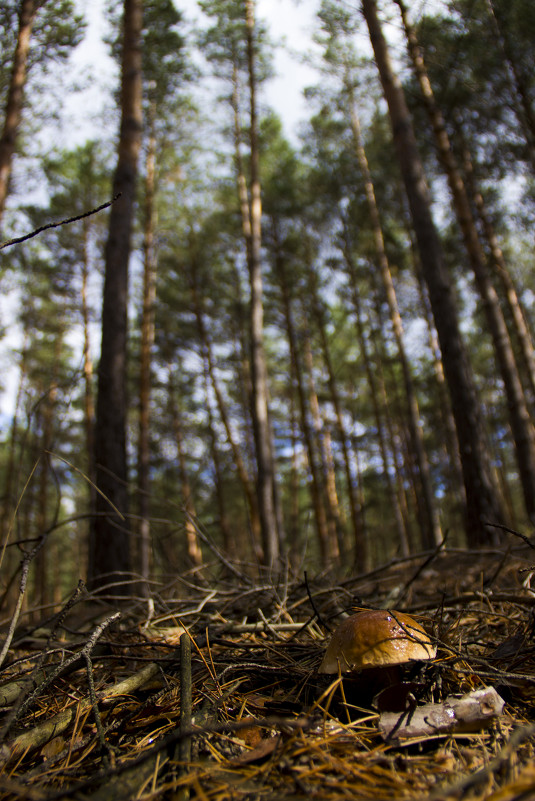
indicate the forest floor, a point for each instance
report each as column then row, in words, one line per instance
column 218, row 696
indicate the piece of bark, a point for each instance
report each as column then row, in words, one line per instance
column 470, row 713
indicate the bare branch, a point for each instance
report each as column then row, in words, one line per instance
column 20, row 239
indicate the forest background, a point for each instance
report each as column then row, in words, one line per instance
column 326, row 364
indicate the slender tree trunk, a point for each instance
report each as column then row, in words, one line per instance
column 11, row 468
column 294, row 540
column 429, row 522
column 266, row 487
column 193, row 547
column 234, row 548
column 394, row 423
column 48, row 415
column 519, row 417
column 326, row 473
column 327, row 543
column 395, row 506
column 525, row 114
column 27, row 13
column 481, row 491
column 248, row 489
column 89, row 406
column 450, row 443
column 109, row 547
column 358, row 529
column 514, row 303
column 239, row 323
column 147, row 343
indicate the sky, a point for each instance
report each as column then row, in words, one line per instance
column 291, row 25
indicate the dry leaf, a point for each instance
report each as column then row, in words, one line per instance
column 264, row 749
column 53, row 748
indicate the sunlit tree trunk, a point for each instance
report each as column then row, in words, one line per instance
column 481, row 491
column 109, row 545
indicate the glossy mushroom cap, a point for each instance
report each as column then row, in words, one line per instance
column 374, row 639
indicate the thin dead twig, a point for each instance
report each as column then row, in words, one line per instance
column 19, row 710
column 17, row 240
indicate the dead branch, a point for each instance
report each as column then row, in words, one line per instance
column 470, row 713
column 46, row 227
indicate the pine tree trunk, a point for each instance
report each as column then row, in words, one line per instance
column 394, row 424
column 519, row 417
column 327, row 544
column 266, row 480
column 394, row 501
column 27, row 12
column 453, row 467
column 193, row 548
column 109, row 546
column 429, row 524
column 481, row 491
column 323, row 449
column 11, row 467
column 89, row 406
column 248, row 490
column 147, row 342
column 48, row 414
column 357, row 523
column 514, row 303
column 525, row 114
column 234, row 548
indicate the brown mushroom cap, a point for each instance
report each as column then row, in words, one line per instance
column 376, row 638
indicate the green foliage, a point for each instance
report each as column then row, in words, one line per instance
column 224, row 44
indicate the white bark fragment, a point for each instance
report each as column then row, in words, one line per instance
column 469, row 713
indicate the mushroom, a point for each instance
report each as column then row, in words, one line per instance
column 376, row 638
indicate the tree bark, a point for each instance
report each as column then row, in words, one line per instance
column 357, row 523
column 362, row 559
column 514, row 303
column 481, row 491
column 27, row 13
column 266, row 480
column 519, row 417
column 525, row 114
column 431, row 534
column 327, row 542
column 233, row 544
column 453, row 468
column 147, row 342
column 247, row 487
column 193, row 547
column 109, row 547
